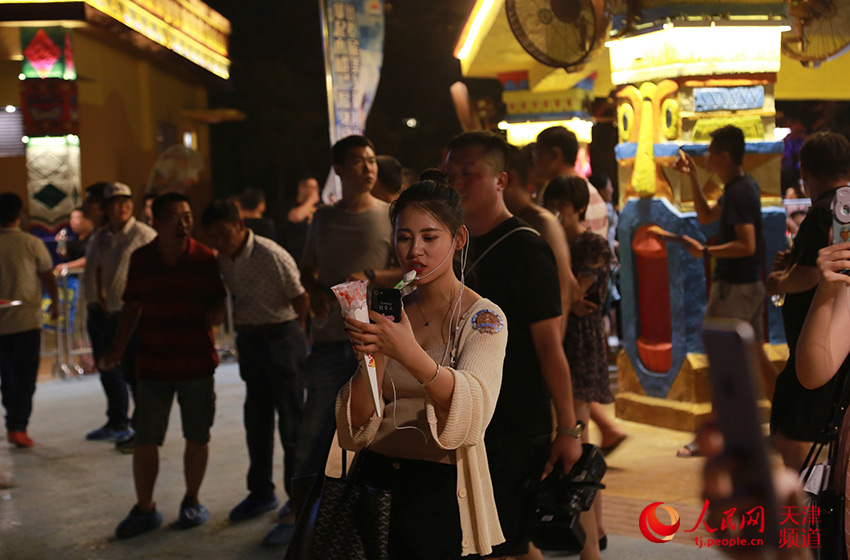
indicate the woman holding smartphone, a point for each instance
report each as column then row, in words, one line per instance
column 440, row 369
column 584, row 343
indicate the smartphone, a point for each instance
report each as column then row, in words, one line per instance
column 841, row 215
column 841, row 218
column 733, row 367
column 387, row 302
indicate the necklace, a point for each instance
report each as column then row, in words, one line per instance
column 439, row 311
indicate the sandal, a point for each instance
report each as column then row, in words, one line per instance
column 608, row 449
column 690, row 450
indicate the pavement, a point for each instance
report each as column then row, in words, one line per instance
column 69, row 493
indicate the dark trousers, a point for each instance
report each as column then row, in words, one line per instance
column 271, row 363
column 19, row 357
column 330, row 365
column 102, row 328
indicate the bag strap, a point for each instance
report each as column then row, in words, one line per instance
column 490, row 248
column 350, row 472
column 829, row 434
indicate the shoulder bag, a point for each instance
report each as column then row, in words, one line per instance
column 341, row 519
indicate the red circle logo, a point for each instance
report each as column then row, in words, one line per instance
column 652, row 528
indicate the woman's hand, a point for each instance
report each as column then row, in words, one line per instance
column 583, row 307
column 383, row 336
column 832, row 259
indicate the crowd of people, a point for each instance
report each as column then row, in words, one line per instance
column 486, row 384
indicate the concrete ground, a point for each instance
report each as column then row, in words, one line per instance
column 70, row 493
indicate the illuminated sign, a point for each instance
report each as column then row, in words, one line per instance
column 522, row 133
column 190, row 28
column 674, row 52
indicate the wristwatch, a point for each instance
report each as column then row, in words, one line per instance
column 575, row 432
column 370, row 274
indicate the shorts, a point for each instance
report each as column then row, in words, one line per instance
column 744, row 302
column 516, row 465
column 153, row 407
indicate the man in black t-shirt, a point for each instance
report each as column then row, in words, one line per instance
column 799, row 415
column 512, row 265
column 736, row 289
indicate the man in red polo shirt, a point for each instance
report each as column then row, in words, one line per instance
column 174, row 294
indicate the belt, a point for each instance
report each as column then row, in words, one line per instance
column 259, row 329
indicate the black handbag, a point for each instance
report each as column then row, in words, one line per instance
column 830, row 521
column 341, row 519
column 560, row 498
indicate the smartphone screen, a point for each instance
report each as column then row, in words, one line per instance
column 733, row 363
column 387, row 302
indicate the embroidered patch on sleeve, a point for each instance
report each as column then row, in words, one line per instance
column 487, row 321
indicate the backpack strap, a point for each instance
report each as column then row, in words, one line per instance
column 488, row 249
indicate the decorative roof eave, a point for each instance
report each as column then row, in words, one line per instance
column 495, row 50
column 189, row 28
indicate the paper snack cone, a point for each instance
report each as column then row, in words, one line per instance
column 352, row 301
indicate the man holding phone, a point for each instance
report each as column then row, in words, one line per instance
column 737, row 291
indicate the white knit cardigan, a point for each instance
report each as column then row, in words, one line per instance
column 478, row 377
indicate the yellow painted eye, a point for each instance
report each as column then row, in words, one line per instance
column 625, row 121
column 670, row 119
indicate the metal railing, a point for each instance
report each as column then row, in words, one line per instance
column 71, row 339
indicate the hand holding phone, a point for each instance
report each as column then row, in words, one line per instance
column 733, row 362
column 685, row 164
column 841, row 215
column 387, row 302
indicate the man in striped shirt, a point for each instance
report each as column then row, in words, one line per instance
column 174, row 294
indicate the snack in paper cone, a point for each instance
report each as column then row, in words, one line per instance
column 351, row 295
column 352, row 302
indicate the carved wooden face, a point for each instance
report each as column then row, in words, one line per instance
column 657, row 120
column 646, row 117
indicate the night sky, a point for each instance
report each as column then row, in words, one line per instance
column 277, row 79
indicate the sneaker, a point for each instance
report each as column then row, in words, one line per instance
column 192, row 515
column 280, row 535
column 22, row 440
column 102, row 434
column 138, row 522
column 126, row 446
column 285, row 510
column 252, row 506
column 124, row 435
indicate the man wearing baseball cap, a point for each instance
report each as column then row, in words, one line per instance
column 107, row 264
